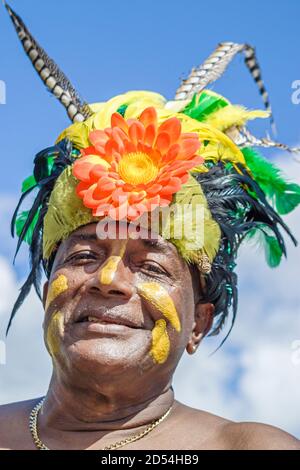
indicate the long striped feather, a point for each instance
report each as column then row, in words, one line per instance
column 247, row 139
column 214, row 67
column 54, row 79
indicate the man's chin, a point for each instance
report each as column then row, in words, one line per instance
column 106, row 352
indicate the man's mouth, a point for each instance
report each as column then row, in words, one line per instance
column 94, row 320
column 106, row 320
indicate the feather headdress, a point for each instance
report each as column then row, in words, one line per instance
column 139, row 152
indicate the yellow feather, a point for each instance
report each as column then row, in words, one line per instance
column 232, row 115
column 136, row 102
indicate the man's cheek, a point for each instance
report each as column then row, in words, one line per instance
column 54, row 333
column 160, row 342
column 57, row 287
column 160, row 300
column 54, row 324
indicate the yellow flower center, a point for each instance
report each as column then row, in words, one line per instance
column 137, row 168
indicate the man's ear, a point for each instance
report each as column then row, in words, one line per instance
column 45, row 293
column 204, row 315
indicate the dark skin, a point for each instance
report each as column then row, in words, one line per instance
column 106, row 385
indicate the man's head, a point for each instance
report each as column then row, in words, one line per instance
column 139, row 150
column 121, row 306
column 127, row 160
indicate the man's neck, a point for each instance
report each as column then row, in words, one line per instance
column 75, row 409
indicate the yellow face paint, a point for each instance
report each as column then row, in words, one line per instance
column 160, row 342
column 54, row 331
column 109, row 269
column 57, row 287
column 159, row 297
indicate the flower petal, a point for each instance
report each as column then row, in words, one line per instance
column 129, row 147
column 110, row 147
column 88, row 199
column 150, row 134
column 117, row 120
column 173, row 186
column 151, row 203
column 166, row 200
column 91, row 150
column 172, row 127
column 136, row 132
column 132, row 213
column 163, row 142
column 106, row 184
column 118, row 136
column 118, row 212
column 102, row 209
column 171, row 154
column 154, row 189
column 81, row 188
column 188, row 148
column 97, row 172
column 148, row 116
column 119, row 196
column 81, row 171
column 98, row 138
column 184, row 178
column 136, row 196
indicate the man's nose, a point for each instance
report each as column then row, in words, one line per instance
column 113, row 279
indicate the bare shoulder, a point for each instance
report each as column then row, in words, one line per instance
column 257, row 436
column 193, row 415
column 207, row 428
column 214, row 432
column 14, row 431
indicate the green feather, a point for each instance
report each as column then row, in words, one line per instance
column 28, row 183
column 284, row 195
column 122, row 109
column 204, row 104
column 272, row 249
column 20, row 222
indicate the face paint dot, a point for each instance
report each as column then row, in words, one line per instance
column 57, row 287
column 160, row 342
column 54, row 331
column 159, row 297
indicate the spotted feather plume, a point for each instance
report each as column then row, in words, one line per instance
column 54, row 79
column 214, row 67
column 247, row 139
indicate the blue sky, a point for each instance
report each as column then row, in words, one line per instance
column 107, row 48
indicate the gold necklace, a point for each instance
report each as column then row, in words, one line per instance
column 33, row 426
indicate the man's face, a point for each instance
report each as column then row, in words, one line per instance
column 117, row 307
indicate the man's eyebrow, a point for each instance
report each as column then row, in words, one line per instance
column 79, row 237
column 157, row 245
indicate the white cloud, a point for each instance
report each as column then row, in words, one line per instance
column 27, row 369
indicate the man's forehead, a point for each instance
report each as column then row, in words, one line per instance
column 88, row 233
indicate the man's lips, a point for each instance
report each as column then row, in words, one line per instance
column 96, row 317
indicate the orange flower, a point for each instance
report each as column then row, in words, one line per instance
column 135, row 165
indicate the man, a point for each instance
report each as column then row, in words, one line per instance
column 126, row 293
column 104, row 380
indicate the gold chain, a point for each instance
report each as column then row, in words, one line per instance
column 41, row 446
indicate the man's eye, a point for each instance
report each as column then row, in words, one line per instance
column 154, row 268
column 81, row 256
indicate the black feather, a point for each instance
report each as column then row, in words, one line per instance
column 15, row 214
column 64, row 155
column 239, row 206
